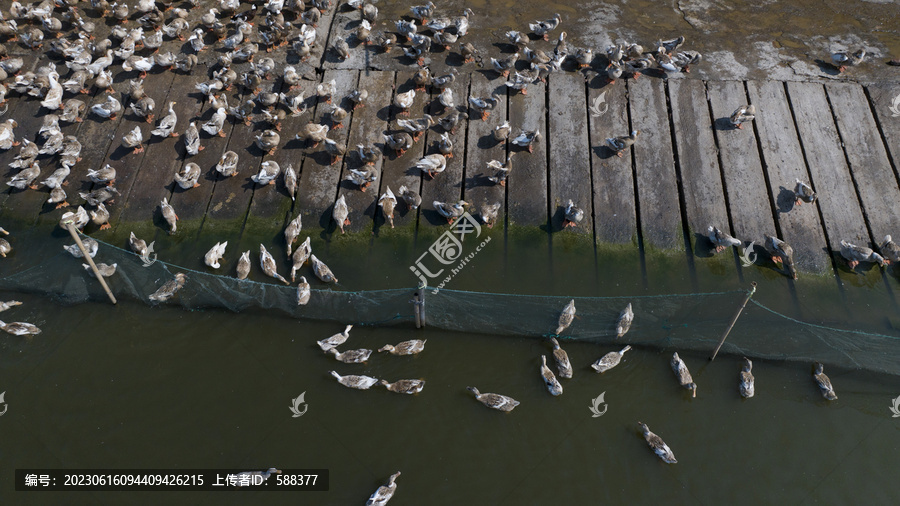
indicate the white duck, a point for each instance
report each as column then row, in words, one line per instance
column 610, row 360
column 267, row 262
column 215, row 254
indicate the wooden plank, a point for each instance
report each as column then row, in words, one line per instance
column 319, row 181
column 885, row 101
column 157, row 86
column 783, row 159
column 369, row 124
column 745, row 183
column 481, row 147
column 701, row 178
column 344, row 26
column 326, row 25
column 448, row 186
column 167, row 157
column 397, row 171
column 614, row 209
column 827, row 164
column 570, row 170
column 660, row 211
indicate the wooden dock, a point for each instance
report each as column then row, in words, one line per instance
column 688, row 170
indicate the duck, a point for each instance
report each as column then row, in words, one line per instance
column 303, row 292
column 741, row 115
column 143, row 108
column 335, row 340
column 188, row 177
column 369, row 12
column 53, row 98
column 337, row 114
column 543, row 28
column 422, row 12
column 166, row 126
column 139, row 63
column 268, row 171
column 292, row 231
column 140, row 247
column 7, row 135
column 90, row 245
column 400, row 142
column 685, row 59
column 169, row 215
column 890, row 251
column 566, row 317
column 300, row 256
column 359, row 356
column 58, row 197
column 844, row 59
column 293, row 101
column 312, row 133
column 227, row 165
column 215, row 254
column 635, row 66
column 684, row 376
column 562, row 360
column 450, row 211
column 406, row 386
column 422, row 78
column 445, row 145
column 57, row 178
column 133, row 140
column 105, row 270
column 186, row 63
column 495, row 401
column 215, row 123
column 268, row 141
column 573, row 215
column 451, row 120
column 386, row 41
column 855, row 254
column 823, row 381
column 721, row 240
column 782, row 254
column 8, row 304
column 26, row 177
column 469, row 53
column 358, row 98
column 610, row 360
column 445, row 81
column 322, row 271
column 619, row 144
column 325, row 90
column 341, row 213
column 388, row 202
column 19, row 328
column 747, row 381
column 432, row 164
column 72, row 110
column 535, row 55
column 583, row 57
column 243, row 266
column 79, row 218
column 341, row 48
column 192, row 140
column 526, row 139
column 100, row 217
column 484, row 106
column 411, row 198
column 104, row 81
column 489, row 212
column 804, row 193
column 614, row 71
column 5, row 248
column 169, row 289
column 267, row 262
column 404, row 101
column 27, row 153
column 416, row 127
column 659, row 447
column 501, row 132
column 623, row 324
column 354, row 381
column 517, row 39
column 411, row 347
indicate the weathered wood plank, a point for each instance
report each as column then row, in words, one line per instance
column 319, row 181
column 369, row 124
column 397, row 171
column 481, row 147
column 570, row 170
column 783, row 159
column 660, row 212
column 885, row 100
column 447, row 186
column 326, row 24
column 827, row 164
column 615, row 219
column 698, row 159
column 170, row 156
column 875, row 179
column 745, row 184
column 157, row 85
column 344, row 26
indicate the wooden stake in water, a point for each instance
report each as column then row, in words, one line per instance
column 419, row 305
column 734, row 320
column 71, row 228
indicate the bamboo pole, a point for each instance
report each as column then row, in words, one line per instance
column 737, row 314
column 71, row 228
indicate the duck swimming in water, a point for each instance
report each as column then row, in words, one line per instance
column 353, row 381
column 659, row 447
column 495, row 401
column 405, row 386
column 610, row 360
column 550, row 381
column 624, row 321
column 563, row 366
column 384, row 493
column 20, row 328
column 169, row 289
column 566, row 317
column 747, row 380
column 824, row 382
column 411, row 347
column 684, row 376
column 335, row 340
